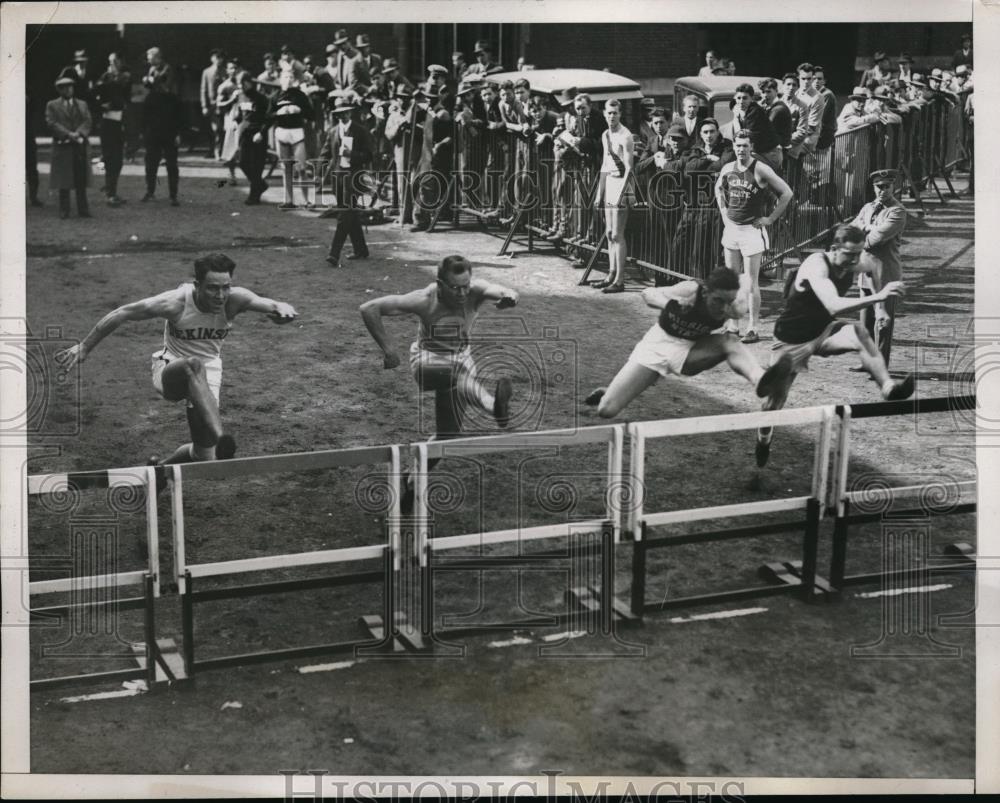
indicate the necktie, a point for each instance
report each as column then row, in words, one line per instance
column 875, row 210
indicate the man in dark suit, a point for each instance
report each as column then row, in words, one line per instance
column 252, row 133
column 485, row 65
column 162, row 120
column 351, row 72
column 964, row 54
column 828, row 120
column 211, row 77
column 112, row 92
column 69, row 120
column 662, row 171
column 83, row 79
column 779, row 114
column 349, row 150
column 883, row 222
column 373, row 61
column 690, row 117
column 749, row 116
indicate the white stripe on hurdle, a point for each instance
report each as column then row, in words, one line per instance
column 702, row 617
column 561, row 530
column 735, row 421
column 304, row 670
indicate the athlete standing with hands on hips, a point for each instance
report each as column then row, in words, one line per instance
column 740, row 194
column 197, row 317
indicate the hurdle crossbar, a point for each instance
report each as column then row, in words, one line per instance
column 108, row 479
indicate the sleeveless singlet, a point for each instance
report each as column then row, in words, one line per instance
column 196, row 333
column 804, row 317
column 745, row 200
column 689, row 323
column 449, row 328
column 619, row 139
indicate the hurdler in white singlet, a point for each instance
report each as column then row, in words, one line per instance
column 195, row 333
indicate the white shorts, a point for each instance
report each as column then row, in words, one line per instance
column 213, row 373
column 661, row 352
column 800, row 353
column 745, row 238
column 458, row 363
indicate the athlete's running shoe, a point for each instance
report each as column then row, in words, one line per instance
column 762, row 451
column 226, row 447
column 595, row 397
column 774, row 376
column 901, row 390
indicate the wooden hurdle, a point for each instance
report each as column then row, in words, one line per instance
column 956, row 557
column 147, row 579
column 799, row 576
column 598, row 599
column 378, row 637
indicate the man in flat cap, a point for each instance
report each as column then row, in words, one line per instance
column 883, row 221
column 373, row 61
column 880, row 71
column 68, row 118
column 485, row 65
column 348, row 150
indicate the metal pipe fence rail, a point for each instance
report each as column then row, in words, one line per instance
column 679, row 235
column 410, row 556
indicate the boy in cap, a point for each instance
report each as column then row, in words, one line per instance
column 69, row 120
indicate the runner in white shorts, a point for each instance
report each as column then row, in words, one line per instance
column 741, row 194
column 807, row 326
column 685, row 341
column 440, row 358
column 197, row 317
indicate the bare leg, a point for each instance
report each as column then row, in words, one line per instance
column 628, row 383
column 710, row 350
column 734, row 261
column 752, row 265
column 609, row 225
column 186, row 379
column 620, row 218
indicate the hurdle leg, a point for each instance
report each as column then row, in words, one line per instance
column 810, row 546
column 150, row 632
column 838, row 561
column 639, row 573
column 593, row 259
column 187, row 625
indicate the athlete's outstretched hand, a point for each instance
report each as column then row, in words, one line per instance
column 506, row 302
column 893, row 289
column 74, row 355
column 391, row 360
column 283, row 313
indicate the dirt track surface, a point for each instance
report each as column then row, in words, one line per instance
column 770, row 693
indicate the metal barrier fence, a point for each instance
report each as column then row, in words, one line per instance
column 505, row 179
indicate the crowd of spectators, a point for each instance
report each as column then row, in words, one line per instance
column 283, row 109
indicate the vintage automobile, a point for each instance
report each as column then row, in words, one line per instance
column 554, row 84
column 715, row 93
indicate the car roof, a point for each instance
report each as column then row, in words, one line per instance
column 600, row 85
column 716, row 85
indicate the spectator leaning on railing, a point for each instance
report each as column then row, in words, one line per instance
column 883, row 104
column 905, row 66
column 854, row 114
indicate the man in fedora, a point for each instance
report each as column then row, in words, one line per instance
column 880, row 71
column 351, row 72
column 883, row 221
column 349, row 151
column 883, row 104
column 905, row 64
column 373, row 61
column 854, row 115
column 484, row 60
column 83, row 79
column 394, row 78
column 68, row 119
column 458, row 66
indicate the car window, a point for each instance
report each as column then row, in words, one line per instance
column 722, row 112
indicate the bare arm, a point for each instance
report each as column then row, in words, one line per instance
column 720, row 197
column 165, row 305
column 502, row 296
column 826, row 292
column 779, row 188
column 372, row 311
column 243, row 300
column 657, row 297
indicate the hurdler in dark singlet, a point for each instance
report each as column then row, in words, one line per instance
column 689, row 322
column 745, row 199
column 804, row 317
